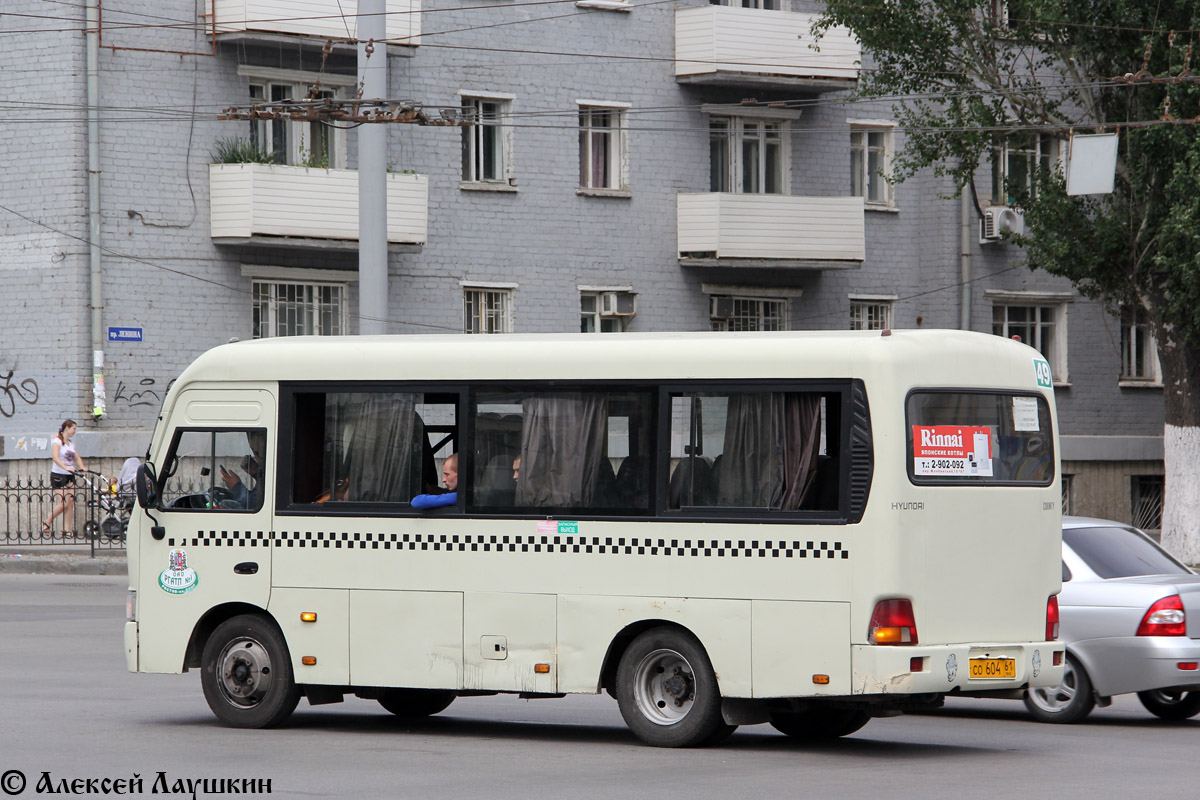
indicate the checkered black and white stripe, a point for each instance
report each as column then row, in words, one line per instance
column 603, row 545
column 224, row 539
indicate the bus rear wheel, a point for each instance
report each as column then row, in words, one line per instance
column 667, row 690
column 416, row 702
column 246, row 673
column 820, row 723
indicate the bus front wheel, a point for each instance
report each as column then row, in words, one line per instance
column 416, row 702
column 667, row 690
column 246, row 673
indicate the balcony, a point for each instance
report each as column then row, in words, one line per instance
column 268, row 204
column 722, row 229
column 728, row 45
column 325, row 19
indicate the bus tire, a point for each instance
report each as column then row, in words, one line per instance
column 819, row 723
column 1069, row 702
column 667, row 690
column 416, row 702
column 246, row 673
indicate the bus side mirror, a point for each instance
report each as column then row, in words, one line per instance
column 147, row 486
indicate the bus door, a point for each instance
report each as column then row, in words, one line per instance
column 216, row 512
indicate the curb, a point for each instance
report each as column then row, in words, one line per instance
column 62, row 564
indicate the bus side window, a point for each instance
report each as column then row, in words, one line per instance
column 752, row 450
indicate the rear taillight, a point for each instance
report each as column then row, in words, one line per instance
column 1164, row 618
column 893, row 622
column 1052, row 618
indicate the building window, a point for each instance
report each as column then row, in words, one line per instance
column 593, row 320
column 487, row 310
column 487, row 145
column 300, row 144
column 1068, row 495
column 747, row 155
column 870, row 315
column 1139, row 352
column 1146, row 494
column 602, row 148
column 731, row 313
column 298, row 309
column 1042, row 327
column 871, row 165
column 769, row 5
column 1016, row 164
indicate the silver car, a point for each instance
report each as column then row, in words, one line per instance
column 1130, row 617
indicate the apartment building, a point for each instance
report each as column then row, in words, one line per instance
column 633, row 166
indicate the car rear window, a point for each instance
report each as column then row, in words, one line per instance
column 1113, row 552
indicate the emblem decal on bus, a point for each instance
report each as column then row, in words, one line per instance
column 178, row 577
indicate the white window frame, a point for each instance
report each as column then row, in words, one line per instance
column 1057, row 302
column 617, row 156
column 1041, row 149
column 296, row 150
column 736, row 136
column 479, row 319
column 1136, row 336
column 472, row 139
column 274, row 279
column 865, row 182
column 753, row 294
column 864, row 307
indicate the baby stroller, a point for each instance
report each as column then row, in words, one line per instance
column 113, row 502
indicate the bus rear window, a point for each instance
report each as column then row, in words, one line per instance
column 959, row 437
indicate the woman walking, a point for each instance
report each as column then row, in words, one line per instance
column 65, row 462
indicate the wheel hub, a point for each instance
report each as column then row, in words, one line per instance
column 244, row 672
column 664, row 687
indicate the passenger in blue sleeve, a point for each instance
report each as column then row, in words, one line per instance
column 450, row 497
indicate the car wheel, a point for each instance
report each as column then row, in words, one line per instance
column 1172, row 704
column 246, row 673
column 667, row 690
column 820, row 723
column 1070, row 701
column 416, row 702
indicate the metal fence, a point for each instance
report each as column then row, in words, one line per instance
column 93, row 511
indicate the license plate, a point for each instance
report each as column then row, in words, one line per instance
column 992, row 669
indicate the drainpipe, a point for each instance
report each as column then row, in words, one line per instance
column 964, row 212
column 93, row 169
column 372, row 172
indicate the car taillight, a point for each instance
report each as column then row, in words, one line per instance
column 1164, row 618
column 1052, row 618
column 893, row 622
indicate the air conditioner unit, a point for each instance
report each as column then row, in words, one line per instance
column 720, row 307
column 997, row 219
column 618, row 304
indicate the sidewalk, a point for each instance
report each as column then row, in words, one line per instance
column 63, row 559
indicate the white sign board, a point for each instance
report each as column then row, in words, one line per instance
column 1092, row 164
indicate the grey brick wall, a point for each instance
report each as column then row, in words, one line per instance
column 545, row 236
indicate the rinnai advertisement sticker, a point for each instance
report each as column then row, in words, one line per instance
column 952, row 450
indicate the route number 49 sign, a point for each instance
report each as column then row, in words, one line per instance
column 952, row 450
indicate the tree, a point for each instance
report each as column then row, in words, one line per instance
column 974, row 75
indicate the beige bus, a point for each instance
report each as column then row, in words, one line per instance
column 801, row 529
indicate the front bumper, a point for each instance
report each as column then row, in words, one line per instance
column 882, row 669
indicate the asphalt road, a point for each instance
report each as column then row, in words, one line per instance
column 68, row 707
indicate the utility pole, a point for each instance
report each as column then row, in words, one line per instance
column 372, row 172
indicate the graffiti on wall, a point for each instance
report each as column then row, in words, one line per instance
column 15, row 391
column 145, row 393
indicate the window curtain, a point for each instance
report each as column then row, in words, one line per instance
column 562, row 446
column 380, row 447
column 770, row 448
